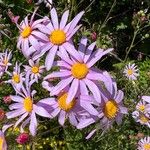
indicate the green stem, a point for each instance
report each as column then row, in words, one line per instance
column 107, row 17
column 131, row 45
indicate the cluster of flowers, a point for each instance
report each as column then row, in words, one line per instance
column 142, row 112
column 84, row 94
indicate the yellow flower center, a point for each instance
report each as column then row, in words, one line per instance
column 28, row 105
column 35, row 69
column 57, row 37
column 147, row 146
column 16, row 78
column 144, row 119
column 26, row 32
column 130, row 71
column 142, row 107
column 79, row 70
column 110, row 109
column 1, row 143
column 62, row 102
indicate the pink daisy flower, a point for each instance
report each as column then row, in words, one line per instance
column 72, row 111
column 79, row 73
column 25, row 108
column 143, row 107
column 16, row 77
column 34, row 69
column 30, row 36
column 144, row 144
column 111, row 109
column 58, row 36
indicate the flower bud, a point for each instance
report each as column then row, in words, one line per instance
column 7, row 99
column 23, row 138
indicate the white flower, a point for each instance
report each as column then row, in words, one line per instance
column 131, row 71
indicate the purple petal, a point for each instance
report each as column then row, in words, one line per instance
column 83, row 88
column 58, row 74
column 41, row 111
column 94, row 89
column 34, row 42
column 21, row 119
column 61, row 118
column 75, row 21
column 90, row 134
column 54, row 18
column 60, row 86
column 48, row 101
column 33, row 124
column 50, row 57
column 15, row 106
column 72, row 51
column 97, row 56
column 85, row 122
column 87, row 106
column 73, row 119
column 119, row 96
column 96, row 76
column 55, row 112
column 15, row 113
column 64, row 19
column 40, row 35
column 73, row 90
column 89, row 51
column 146, row 98
column 82, row 46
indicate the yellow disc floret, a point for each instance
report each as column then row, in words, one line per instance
column 130, row 72
column 26, row 32
column 16, row 78
column 79, row 70
column 1, row 143
column 144, row 119
column 28, row 105
column 110, row 109
column 147, row 146
column 57, row 37
column 63, row 104
column 142, row 107
column 35, row 69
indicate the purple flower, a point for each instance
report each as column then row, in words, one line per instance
column 25, row 108
column 30, row 37
column 5, row 61
column 144, row 144
column 110, row 109
column 59, row 107
column 34, row 69
column 58, row 36
column 16, row 77
column 79, row 72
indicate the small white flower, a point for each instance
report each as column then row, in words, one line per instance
column 34, row 69
column 143, row 107
column 144, row 144
column 131, row 71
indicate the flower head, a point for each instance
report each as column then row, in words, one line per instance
column 144, row 144
column 58, row 36
column 30, row 37
column 24, row 106
column 16, row 77
column 109, row 110
column 7, row 99
column 34, row 69
column 62, row 109
column 79, row 72
column 131, row 72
